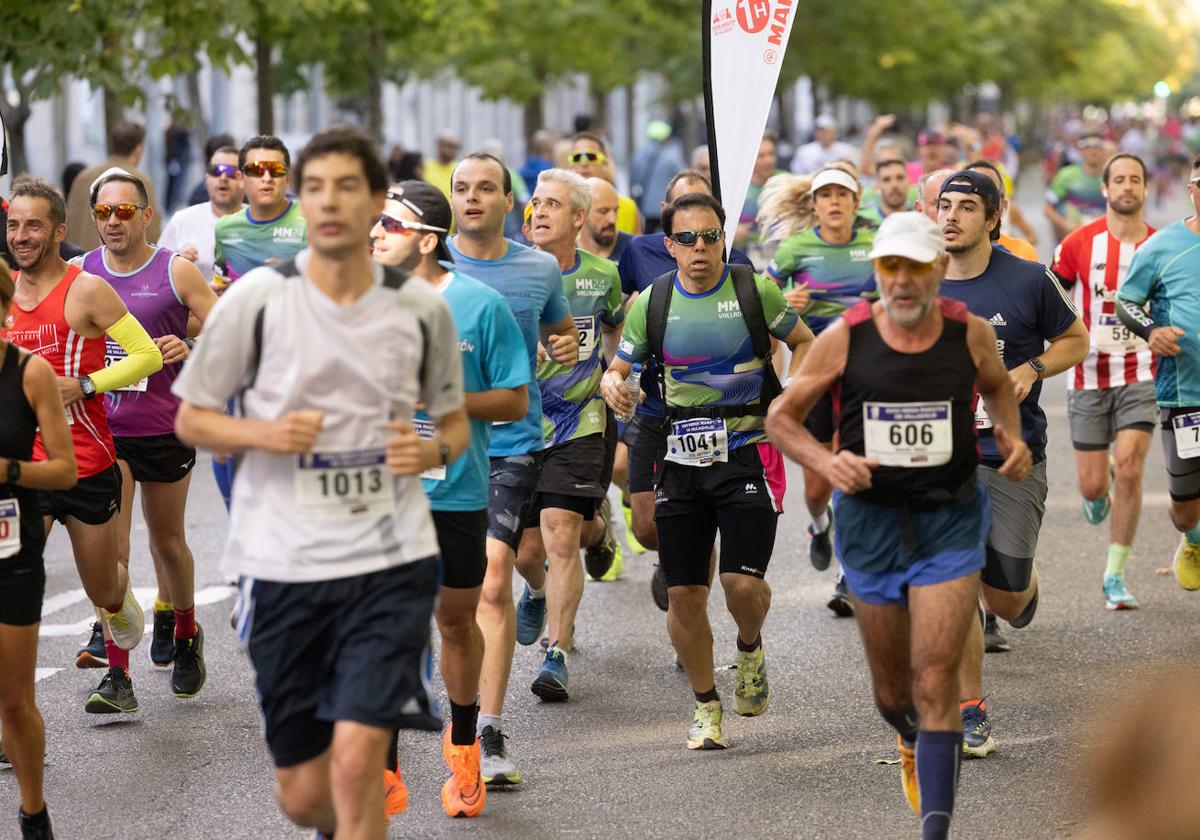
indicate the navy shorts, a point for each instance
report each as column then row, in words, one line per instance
column 512, row 484
column 951, row 542
column 351, row 648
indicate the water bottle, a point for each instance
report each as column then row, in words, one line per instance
column 633, row 386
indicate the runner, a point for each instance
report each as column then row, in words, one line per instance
column 891, row 191
column 1074, row 197
column 719, row 472
column 929, row 186
column 1026, row 306
column 567, row 512
column 1110, row 396
column 1162, row 276
column 162, row 293
column 29, row 393
column 191, row 233
column 823, row 271
column 531, row 283
column 590, row 158
column 66, row 316
column 1017, row 247
column 646, row 259
column 330, row 529
column 269, row 231
column 411, row 234
column 912, row 517
column 600, row 235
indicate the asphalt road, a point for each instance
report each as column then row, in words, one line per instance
column 612, row 762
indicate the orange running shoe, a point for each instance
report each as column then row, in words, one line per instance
column 395, row 793
column 908, row 775
column 464, row 793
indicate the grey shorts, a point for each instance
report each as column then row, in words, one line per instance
column 512, row 482
column 1017, row 511
column 1097, row 414
column 1183, row 474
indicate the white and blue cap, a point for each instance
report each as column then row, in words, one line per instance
column 911, row 235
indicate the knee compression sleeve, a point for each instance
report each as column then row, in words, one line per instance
column 903, row 721
column 1007, row 573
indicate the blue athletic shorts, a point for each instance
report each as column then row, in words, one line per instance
column 951, row 542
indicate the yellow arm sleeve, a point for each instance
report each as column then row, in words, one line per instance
column 143, row 356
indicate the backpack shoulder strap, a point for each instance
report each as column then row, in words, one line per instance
column 656, row 315
column 751, row 306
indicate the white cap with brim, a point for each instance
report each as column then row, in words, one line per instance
column 913, row 236
column 835, row 177
column 112, row 170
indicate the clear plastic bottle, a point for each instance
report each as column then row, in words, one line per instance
column 633, row 385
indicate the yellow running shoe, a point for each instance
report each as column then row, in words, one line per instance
column 908, row 775
column 1187, row 564
column 630, row 540
column 618, row 564
column 752, row 693
column 705, row 731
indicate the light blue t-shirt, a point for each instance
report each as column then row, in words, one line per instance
column 1165, row 272
column 493, row 356
column 532, row 284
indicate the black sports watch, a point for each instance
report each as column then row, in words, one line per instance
column 14, row 470
column 88, row 386
column 444, row 451
column 1038, row 367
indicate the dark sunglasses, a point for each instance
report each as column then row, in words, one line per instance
column 223, row 170
column 276, row 168
column 590, row 157
column 687, row 238
column 124, row 211
column 393, row 225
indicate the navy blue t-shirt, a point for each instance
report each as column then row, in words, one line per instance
column 1026, row 307
column 644, row 260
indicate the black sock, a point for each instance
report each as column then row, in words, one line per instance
column 38, row 820
column 462, row 723
column 393, row 757
column 748, row 648
column 707, row 696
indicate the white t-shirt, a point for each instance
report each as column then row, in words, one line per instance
column 812, row 157
column 195, row 225
column 336, row 513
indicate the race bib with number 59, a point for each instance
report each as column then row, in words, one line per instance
column 1114, row 338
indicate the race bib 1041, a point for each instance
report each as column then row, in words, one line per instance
column 698, row 443
column 910, row 434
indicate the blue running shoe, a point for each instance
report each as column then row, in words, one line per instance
column 977, row 731
column 1097, row 511
column 551, row 681
column 531, row 617
column 1116, row 596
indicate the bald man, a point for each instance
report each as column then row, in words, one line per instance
column 929, row 186
column 600, row 235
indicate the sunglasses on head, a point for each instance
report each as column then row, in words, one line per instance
column 391, row 224
column 687, row 238
column 590, row 157
column 124, row 211
column 1090, row 143
column 223, row 170
column 276, row 168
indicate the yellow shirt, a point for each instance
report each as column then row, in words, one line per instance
column 627, row 213
column 439, row 174
column 1018, row 247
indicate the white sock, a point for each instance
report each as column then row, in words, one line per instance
column 537, row 594
column 821, row 523
column 493, row 721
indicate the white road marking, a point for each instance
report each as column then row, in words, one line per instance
column 144, row 594
column 41, row 673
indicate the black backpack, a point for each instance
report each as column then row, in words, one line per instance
column 751, row 308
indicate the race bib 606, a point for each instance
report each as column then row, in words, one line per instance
column 909, row 434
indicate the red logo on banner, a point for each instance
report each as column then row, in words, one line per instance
column 753, row 15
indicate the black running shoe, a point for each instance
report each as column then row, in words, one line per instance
column 993, row 641
column 93, row 654
column 840, row 601
column 658, row 588
column 114, row 695
column 162, row 642
column 189, row 674
column 599, row 558
column 35, row 826
column 820, row 545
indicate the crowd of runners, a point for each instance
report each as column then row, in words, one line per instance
column 405, row 406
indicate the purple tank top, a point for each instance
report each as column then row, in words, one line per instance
column 146, row 408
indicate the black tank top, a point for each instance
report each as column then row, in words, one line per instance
column 912, row 410
column 18, row 425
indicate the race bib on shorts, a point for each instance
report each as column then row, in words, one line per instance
column 339, row 484
column 425, row 430
column 114, row 353
column 698, row 443
column 587, row 337
column 10, row 528
column 1187, row 434
column 1113, row 337
column 913, row 434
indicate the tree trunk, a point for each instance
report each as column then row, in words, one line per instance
column 532, row 116
column 265, row 77
column 374, row 93
column 199, row 122
column 15, row 117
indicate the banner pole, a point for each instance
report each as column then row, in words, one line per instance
column 710, row 124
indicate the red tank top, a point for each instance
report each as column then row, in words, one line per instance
column 44, row 330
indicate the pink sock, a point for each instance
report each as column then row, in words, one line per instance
column 117, row 657
column 185, row 623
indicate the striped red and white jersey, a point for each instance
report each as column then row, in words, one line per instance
column 1094, row 264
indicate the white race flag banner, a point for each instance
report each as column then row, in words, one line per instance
column 744, row 43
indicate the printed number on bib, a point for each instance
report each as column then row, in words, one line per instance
column 114, row 353
column 916, row 434
column 587, row 337
column 1114, row 337
column 343, row 483
column 424, row 430
column 1187, row 434
column 10, row 528
column 698, row 443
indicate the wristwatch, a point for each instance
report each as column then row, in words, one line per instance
column 1038, row 367
column 14, row 470
column 88, row 386
column 444, row 451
